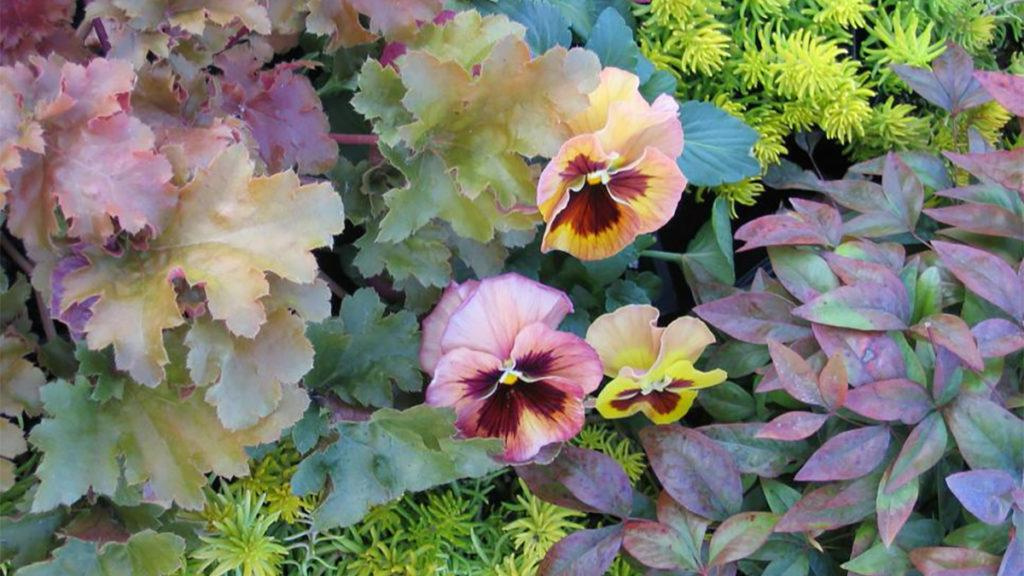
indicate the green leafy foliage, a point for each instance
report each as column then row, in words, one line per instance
column 147, row 553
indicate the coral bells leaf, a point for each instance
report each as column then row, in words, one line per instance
column 395, row 19
column 228, row 231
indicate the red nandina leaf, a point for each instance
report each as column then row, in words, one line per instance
column 984, row 493
column 891, row 400
column 1005, row 88
column 953, row 333
column 581, row 479
column 902, row 189
column 766, row 458
column 893, row 510
column 887, row 254
column 981, row 219
column 1005, row 167
column 694, row 470
column 847, row 455
column 997, row 337
column 754, row 318
column 948, row 561
column 833, row 383
column 831, row 506
column 795, row 374
column 812, row 223
column 856, row 270
column 656, row 545
column 803, row 273
column 864, row 306
column 868, row 356
column 988, row 435
column 584, row 552
column 949, row 84
column 740, row 536
column 921, row 450
column 795, row 425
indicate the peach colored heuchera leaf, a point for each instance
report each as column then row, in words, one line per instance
column 228, row 231
column 395, row 19
column 153, row 436
column 189, row 15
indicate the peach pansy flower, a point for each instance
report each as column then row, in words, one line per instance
column 617, row 177
column 652, row 368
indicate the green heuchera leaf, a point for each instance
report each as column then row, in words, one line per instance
column 147, row 553
column 152, row 434
column 30, row 537
column 363, row 352
column 718, row 146
column 376, row 461
column 422, row 256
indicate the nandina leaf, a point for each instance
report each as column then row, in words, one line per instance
column 689, row 528
column 949, row 84
column 583, row 480
column 153, row 436
column 953, row 333
column 947, row 561
column 981, row 219
column 584, row 552
column 798, row 378
column 831, row 506
column 987, row 434
column 863, row 306
column 657, row 545
column 378, row 460
column 902, row 189
column 1013, row 559
column 680, row 456
column 228, row 231
column 1002, row 166
column 900, row 400
column 766, row 458
column 922, row 449
column 868, row 356
column 833, row 383
column 887, row 254
column 847, row 455
column 997, row 337
column 146, row 553
column 754, row 318
column 856, row 270
column 804, row 274
column 740, row 536
column 812, row 223
column 795, row 425
column 1005, row 88
column 984, row 493
column 894, row 509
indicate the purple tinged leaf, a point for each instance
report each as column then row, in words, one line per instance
column 1004, row 167
column 981, row 219
column 803, row 273
column 825, row 216
column 1013, row 559
column 812, row 223
column 947, row 375
column 950, row 83
column 868, row 356
column 763, row 282
column 694, row 470
column 997, row 337
column 831, row 506
column 796, row 375
column 582, row 480
column 583, row 553
column 765, row 458
column 1005, row 88
column 988, row 435
column 847, row 455
column 948, row 561
column 953, row 333
column 893, row 510
column 902, row 189
column 794, row 425
column 860, row 307
column 900, row 400
column 740, row 536
column 984, row 274
column 922, row 449
column 656, row 545
column 984, row 493
column 874, row 225
column 857, row 195
column 833, row 383
column 888, row 254
column 856, row 271
column 690, row 528
column 754, row 318
column 984, row 193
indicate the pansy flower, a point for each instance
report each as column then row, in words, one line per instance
column 652, row 368
column 496, row 357
column 617, row 177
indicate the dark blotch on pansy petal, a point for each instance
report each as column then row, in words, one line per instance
column 628, row 184
column 590, row 211
column 502, row 413
column 662, row 402
column 581, row 166
column 536, row 363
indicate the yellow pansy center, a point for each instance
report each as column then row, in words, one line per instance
column 509, row 374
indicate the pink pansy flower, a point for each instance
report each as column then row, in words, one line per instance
column 496, row 357
column 617, row 177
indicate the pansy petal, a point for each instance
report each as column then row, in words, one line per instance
column 591, row 226
column 461, row 376
column 632, row 129
column 614, row 401
column 576, row 158
column 541, row 352
column 684, row 338
column 616, row 85
column 498, row 310
column 629, row 336
column 685, row 376
column 650, row 188
column 668, row 406
column 527, row 416
column 435, row 322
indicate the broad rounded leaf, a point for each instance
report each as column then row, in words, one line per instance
column 718, row 145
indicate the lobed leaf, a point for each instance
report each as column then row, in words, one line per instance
column 146, row 553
